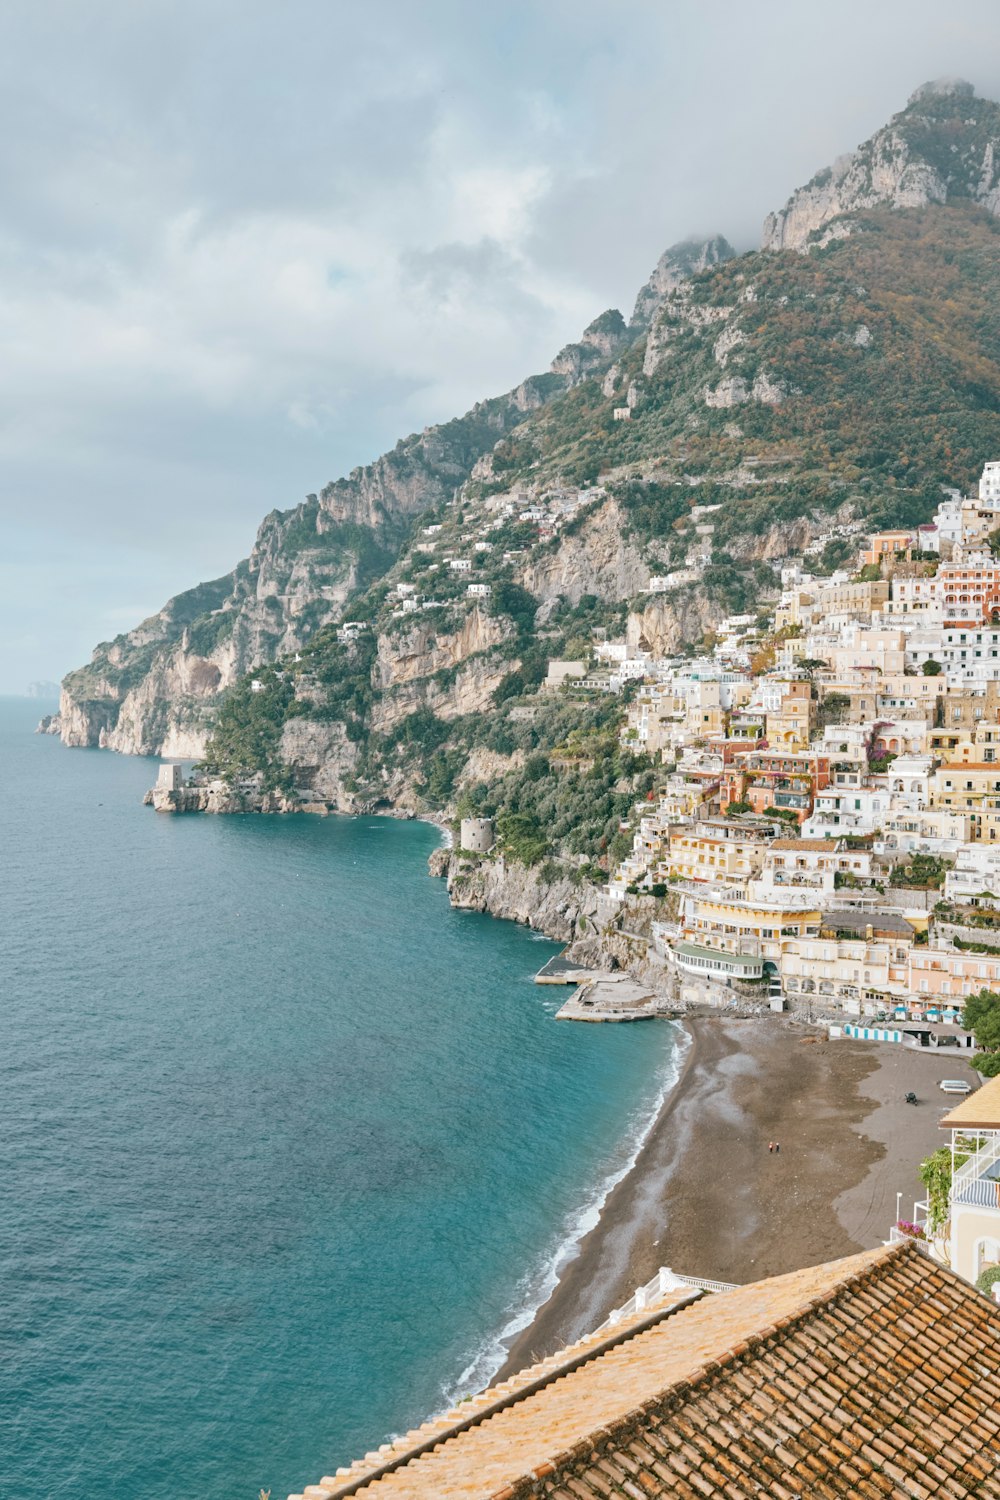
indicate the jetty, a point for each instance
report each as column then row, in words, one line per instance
column 611, row 997
column 561, row 970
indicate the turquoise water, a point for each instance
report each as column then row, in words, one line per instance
column 286, row 1141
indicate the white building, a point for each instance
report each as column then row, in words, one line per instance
column 460, row 565
column 928, row 830
column 479, row 590
column 846, row 810
column 989, row 483
column 976, row 873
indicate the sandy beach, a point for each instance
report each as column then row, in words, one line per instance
column 707, row 1198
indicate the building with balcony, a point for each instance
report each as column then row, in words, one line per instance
column 722, row 920
column 716, row 849
column 974, row 1199
column 972, row 786
column 974, row 879
column 928, row 830
column 812, row 864
column 886, row 545
column 787, row 779
column 847, row 810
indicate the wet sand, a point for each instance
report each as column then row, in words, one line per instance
column 707, row 1198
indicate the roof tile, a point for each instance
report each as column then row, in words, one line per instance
column 871, row 1377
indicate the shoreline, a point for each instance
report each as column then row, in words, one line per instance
column 493, row 1352
column 706, row 1197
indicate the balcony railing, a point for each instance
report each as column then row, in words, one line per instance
column 977, row 1165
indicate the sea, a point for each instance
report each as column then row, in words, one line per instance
column 287, row 1145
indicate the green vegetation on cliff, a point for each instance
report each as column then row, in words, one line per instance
column 247, row 738
column 876, row 367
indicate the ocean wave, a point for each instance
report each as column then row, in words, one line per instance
column 535, row 1289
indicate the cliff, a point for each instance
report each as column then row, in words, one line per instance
column 155, row 688
column 943, row 147
column 601, row 934
column 561, row 909
column 752, row 404
column 675, row 266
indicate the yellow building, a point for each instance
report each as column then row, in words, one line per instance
column 858, row 600
column 732, row 924
column 711, row 851
column 970, row 785
column 791, row 723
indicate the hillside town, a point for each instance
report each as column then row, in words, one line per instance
column 829, row 812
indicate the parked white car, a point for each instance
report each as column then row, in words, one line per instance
column 955, row 1086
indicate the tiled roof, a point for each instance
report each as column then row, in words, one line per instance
column 817, row 846
column 857, row 919
column 874, row 1376
column 981, row 1109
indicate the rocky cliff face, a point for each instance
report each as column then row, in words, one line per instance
column 598, row 559
column 669, row 621
column 561, row 910
column 599, row 343
column 674, row 267
column 322, row 759
column 765, row 389
column 943, row 146
column 153, row 689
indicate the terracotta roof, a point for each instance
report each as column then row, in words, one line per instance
column 956, row 766
column 981, row 1109
column 878, row 1375
column 818, row 846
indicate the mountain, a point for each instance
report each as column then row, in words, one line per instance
column 751, row 402
column 675, row 266
column 942, row 148
column 153, row 689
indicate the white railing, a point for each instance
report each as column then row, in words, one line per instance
column 709, row 1286
column 664, row 1281
column 897, row 1236
column 970, row 1171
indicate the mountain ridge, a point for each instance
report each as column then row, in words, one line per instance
column 785, row 388
column 940, row 147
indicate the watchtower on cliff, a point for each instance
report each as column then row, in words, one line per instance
column 477, row 835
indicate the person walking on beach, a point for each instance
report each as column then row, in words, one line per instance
column 770, row 1145
column 777, row 1148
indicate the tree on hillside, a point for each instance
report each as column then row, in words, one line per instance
column 982, row 1018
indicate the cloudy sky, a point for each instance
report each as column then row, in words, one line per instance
column 244, row 246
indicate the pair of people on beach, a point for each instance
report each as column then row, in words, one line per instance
column 773, row 1146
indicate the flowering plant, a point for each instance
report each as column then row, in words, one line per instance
column 915, row 1231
